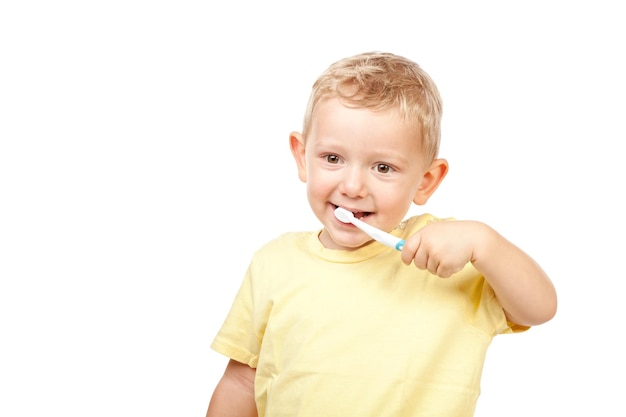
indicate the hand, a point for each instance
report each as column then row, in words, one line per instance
column 522, row 288
column 444, row 247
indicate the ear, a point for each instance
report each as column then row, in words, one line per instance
column 296, row 143
column 430, row 181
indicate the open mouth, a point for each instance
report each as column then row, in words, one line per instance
column 358, row 214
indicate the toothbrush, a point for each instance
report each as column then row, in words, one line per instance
column 385, row 238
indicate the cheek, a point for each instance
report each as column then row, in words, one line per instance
column 319, row 175
column 392, row 191
column 395, row 200
column 319, row 183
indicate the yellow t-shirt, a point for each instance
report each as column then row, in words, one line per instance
column 358, row 333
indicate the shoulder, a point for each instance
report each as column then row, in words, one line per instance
column 276, row 262
column 414, row 223
column 283, row 244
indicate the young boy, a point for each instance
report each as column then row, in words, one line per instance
column 331, row 323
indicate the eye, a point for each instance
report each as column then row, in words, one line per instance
column 383, row 168
column 332, row 159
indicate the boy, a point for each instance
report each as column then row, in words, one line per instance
column 331, row 323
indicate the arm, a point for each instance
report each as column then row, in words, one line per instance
column 521, row 286
column 234, row 394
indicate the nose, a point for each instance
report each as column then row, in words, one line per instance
column 353, row 183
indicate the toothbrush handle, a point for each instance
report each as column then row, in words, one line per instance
column 383, row 237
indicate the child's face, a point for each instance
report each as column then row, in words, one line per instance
column 367, row 162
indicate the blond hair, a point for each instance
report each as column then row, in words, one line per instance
column 382, row 81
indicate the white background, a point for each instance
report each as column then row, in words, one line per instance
column 144, row 157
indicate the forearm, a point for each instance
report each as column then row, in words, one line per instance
column 234, row 394
column 520, row 284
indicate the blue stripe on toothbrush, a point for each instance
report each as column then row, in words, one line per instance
column 400, row 245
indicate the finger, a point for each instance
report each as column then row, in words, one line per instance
column 433, row 265
column 411, row 245
column 443, row 273
column 447, row 271
column 420, row 259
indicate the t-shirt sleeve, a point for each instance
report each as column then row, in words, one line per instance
column 485, row 310
column 238, row 339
